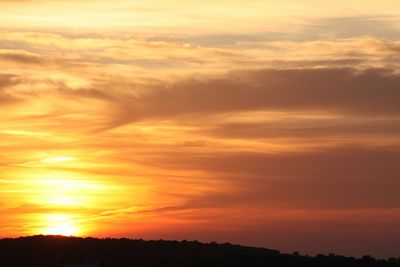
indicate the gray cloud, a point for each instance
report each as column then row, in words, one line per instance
column 347, row 91
column 332, row 178
column 21, row 58
column 319, row 29
column 349, row 27
column 7, row 80
column 307, row 129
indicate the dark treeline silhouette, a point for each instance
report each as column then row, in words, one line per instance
column 49, row 251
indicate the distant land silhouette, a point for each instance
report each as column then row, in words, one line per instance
column 49, row 251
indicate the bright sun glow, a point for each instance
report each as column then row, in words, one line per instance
column 65, row 230
column 64, row 192
column 58, row 159
column 60, row 224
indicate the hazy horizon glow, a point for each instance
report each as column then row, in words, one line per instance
column 264, row 123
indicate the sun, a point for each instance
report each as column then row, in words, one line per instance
column 60, row 224
column 64, row 230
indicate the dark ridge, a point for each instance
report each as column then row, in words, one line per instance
column 56, row 251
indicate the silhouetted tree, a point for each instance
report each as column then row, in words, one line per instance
column 51, row 251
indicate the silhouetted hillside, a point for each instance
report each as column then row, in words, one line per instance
column 46, row 251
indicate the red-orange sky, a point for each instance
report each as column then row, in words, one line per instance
column 266, row 123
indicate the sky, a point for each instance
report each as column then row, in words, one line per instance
column 263, row 123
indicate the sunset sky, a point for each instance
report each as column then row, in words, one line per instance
column 263, row 123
